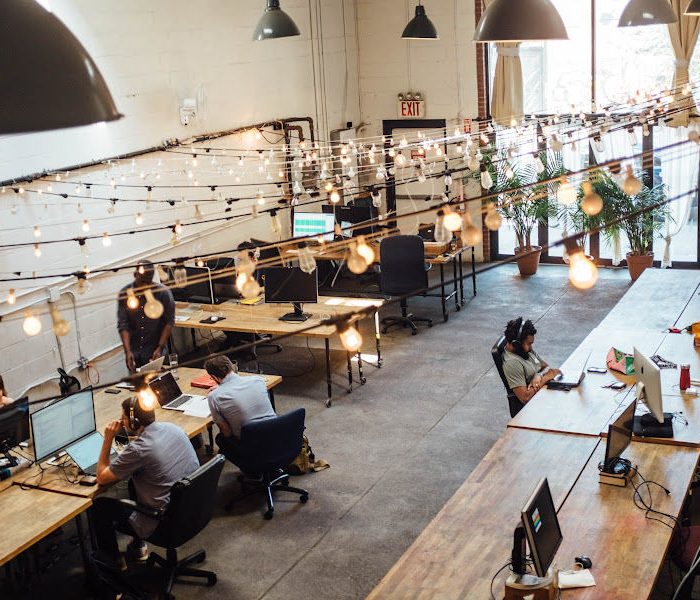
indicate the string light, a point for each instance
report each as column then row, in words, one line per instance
column 131, row 300
column 365, row 250
column 493, row 219
column 177, row 228
column 37, row 232
column 31, row 325
column 566, row 193
column 147, row 398
column 37, row 251
column 275, row 224
column 583, row 273
column 335, row 196
column 350, row 337
column 61, row 327
column 592, row 203
column 631, row 185
column 85, row 226
column 248, row 286
column 472, row 236
column 180, row 273
column 11, row 297
column 441, row 234
column 356, row 263
column 153, row 308
column 307, row 262
column 106, row 240
column 452, row 219
column 139, row 219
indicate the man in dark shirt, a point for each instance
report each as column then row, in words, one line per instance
column 144, row 339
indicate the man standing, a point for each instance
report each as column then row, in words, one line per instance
column 144, row 339
column 234, row 402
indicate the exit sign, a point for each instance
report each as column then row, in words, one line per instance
column 412, row 109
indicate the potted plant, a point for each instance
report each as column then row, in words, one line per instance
column 640, row 229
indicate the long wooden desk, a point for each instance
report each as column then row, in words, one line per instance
column 265, row 319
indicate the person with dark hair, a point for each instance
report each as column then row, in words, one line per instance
column 144, row 339
column 235, row 401
column 4, row 399
column 525, row 370
column 159, row 456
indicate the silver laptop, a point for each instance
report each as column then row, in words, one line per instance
column 573, row 376
column 154, row 365
column 170, row 395
column 86, row 451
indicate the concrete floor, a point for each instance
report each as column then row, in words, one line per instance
column 398, row 447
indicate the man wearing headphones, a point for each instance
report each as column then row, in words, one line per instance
column 524, row 369
column 159, row 456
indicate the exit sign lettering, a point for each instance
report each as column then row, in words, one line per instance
column 412, row 109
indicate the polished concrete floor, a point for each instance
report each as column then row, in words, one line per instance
column 398, row 447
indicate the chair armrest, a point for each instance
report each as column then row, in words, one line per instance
column 154, row 513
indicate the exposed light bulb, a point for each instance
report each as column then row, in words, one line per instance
column 37, row 250
column 356, row 263
column 85, row 226
column 139, row 219
column 509, row 171
column 37, row 232
column 180, row 274
column 31, row 325
column 441, row 234
column 598, row 144
column 631, row 185
column 83, row 284
column 307, row 262
column 335, row 196
column 11, row 296
column 275, row 224
column 631, row 134
column 452, row 220
column 365, row 250
column 472, row 236
column 248, row 286
column 177, row 229
column 566, row 193
column 583, row 273
column 61, row 327
column 153, row 308
column 592, row 203
column 132, row 301
column 539, row 165
column 350, row 337
column 486, row 179
column 493, row 219
column 147, row 398
column 106, row 240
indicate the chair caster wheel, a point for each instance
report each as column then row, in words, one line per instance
column 304, row 498
column 269, row 514
column 211, row 580
column 363, row 380
column 459, row 308
column 328, row 403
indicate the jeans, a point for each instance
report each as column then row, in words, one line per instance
column 110, row 515
column 230, row 447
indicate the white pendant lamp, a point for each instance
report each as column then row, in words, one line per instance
column 647, row 12
column 50, row 81
column 520, row 20
column 693, row 8
column 275, row 23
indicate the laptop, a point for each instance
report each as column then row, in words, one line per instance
column 572, row 377
column 86, row 451
column 154, row 365
column 170, row 395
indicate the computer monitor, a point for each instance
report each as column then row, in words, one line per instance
column 540, row 527
column 619, row 437
column 61, row 423
column 199, row 287
column 14, row 427
column 657, row 423
column 314, row 224
column 284, row 285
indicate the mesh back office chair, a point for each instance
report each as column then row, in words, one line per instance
column 514, row 404
column 402, row 264
column 268, row 445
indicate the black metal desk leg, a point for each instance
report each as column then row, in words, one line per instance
column 474, row 270
column 328, row 371
column 359, row 369
column 445, row 316
column 349, row 357
column 378, row 338
column 458, row 306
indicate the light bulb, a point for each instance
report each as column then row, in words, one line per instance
column 106, row 240
column 139, row 219
column 441, row 233
column 486, row 179
column 365, row 250
column 509, row 172
column 177, row 229
column 37, row 250
column 180, row 275
column 598, row 144
column 147, row 398
column 11, row 296
column 452, row 220
column 244, row 264
column 556, row 144
column 631, row 185
column 61, row 327
column 37, row 232
column 275, row 223
column 350, row 337
column 493, row 219
column 307, row 262
column 197, row 212
column 356, row 262
column 566, row 193
column 83, row 284
column 472, row 236
column 85, row 226
column 335, row 196
column 377, row 199
column 31, row 325
column 153, row 308
column 592, row 203
column 582, row 272
column 248, row 286
column 131, row 300
column 632, row 136
column 539, row 165
column 473, row 163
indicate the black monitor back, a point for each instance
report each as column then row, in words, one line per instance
column 14, row 423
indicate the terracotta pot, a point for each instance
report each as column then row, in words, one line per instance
column 637, row 263
column 528, row 263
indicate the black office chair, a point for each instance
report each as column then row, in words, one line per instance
column 402, row 265
column 514, row 404
column 266, row 447
column 67, row 383
column 191, row 507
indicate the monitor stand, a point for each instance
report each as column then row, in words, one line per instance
column 298, row 316
column 5, row 453
column 648, row 426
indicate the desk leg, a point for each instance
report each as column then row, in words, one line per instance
column 328, row 371
column 349, row 357
column 458, row 306
column 474, row 270
column 210, row 431
column 359, row 369
column 378, row 338
column 193, row 333
column 445, row 316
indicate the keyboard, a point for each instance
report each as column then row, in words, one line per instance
column 178, row 402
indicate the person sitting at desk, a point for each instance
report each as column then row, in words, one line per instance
column 4, row 399
column 524, row 369
column 235, row 401
column 158, row 457
column 144, row 339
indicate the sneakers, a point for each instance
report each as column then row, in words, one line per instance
column 137, row 551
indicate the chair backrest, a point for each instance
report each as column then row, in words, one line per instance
column 402, row 263
column 191, row 506
column 67, row 383
column 514, row 405
column 272, row 443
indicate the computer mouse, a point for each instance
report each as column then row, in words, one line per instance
column 213, row 318
column 584, row 561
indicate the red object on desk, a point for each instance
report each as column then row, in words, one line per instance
column 204, row 381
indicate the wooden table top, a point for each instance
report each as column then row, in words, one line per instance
column 471, row 537
column 265, row 318
column 30, row 515
column 435, row 254
column 602, row 522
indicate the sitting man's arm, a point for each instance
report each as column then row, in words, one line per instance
column 218, row 418
column 105, row 476
column 515, row 375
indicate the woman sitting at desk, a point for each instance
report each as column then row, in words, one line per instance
column 524, row 369
column 4, row 399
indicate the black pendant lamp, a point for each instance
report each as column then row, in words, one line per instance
column 49, row 79
column 420, row 27
column 520, row 20
column 693, row 8
column 275, row 23
column 647, row 12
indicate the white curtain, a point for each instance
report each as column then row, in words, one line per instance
column 684, row 36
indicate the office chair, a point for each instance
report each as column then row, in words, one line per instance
column 67, row 383
column 514, row 404
column 402, row 266
column 191, row 507
column 267, row 446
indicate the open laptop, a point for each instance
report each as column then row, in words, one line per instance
column 86, row 451
column 572, row 377
column 170, row 395
column 154, row 365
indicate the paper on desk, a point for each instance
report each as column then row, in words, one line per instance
column 575, row 579
column 198, row 408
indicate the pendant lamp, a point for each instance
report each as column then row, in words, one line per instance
column 693, row 8
column 520, row 20
column 647, row 12
column 275, row 23
column 420, row 27
column 50, row 81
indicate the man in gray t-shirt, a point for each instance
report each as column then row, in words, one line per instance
column 158, row 457
column 234, row 402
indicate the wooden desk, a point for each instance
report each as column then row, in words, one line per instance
column 265, row 319
column 602, row 522
column 587, row 409
column 461, row 549
column 30, row 515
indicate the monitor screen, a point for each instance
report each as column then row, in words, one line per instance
column 198, row 287
column 86, row 451
column 60, row 424
column 14, row 423
column 541, row 525
column 620, row 434
column 290, row 285
column 314, row 224
column 165, row 388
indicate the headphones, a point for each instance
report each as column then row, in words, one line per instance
column 517, row 343
column 519, row 335
column 134, row 422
